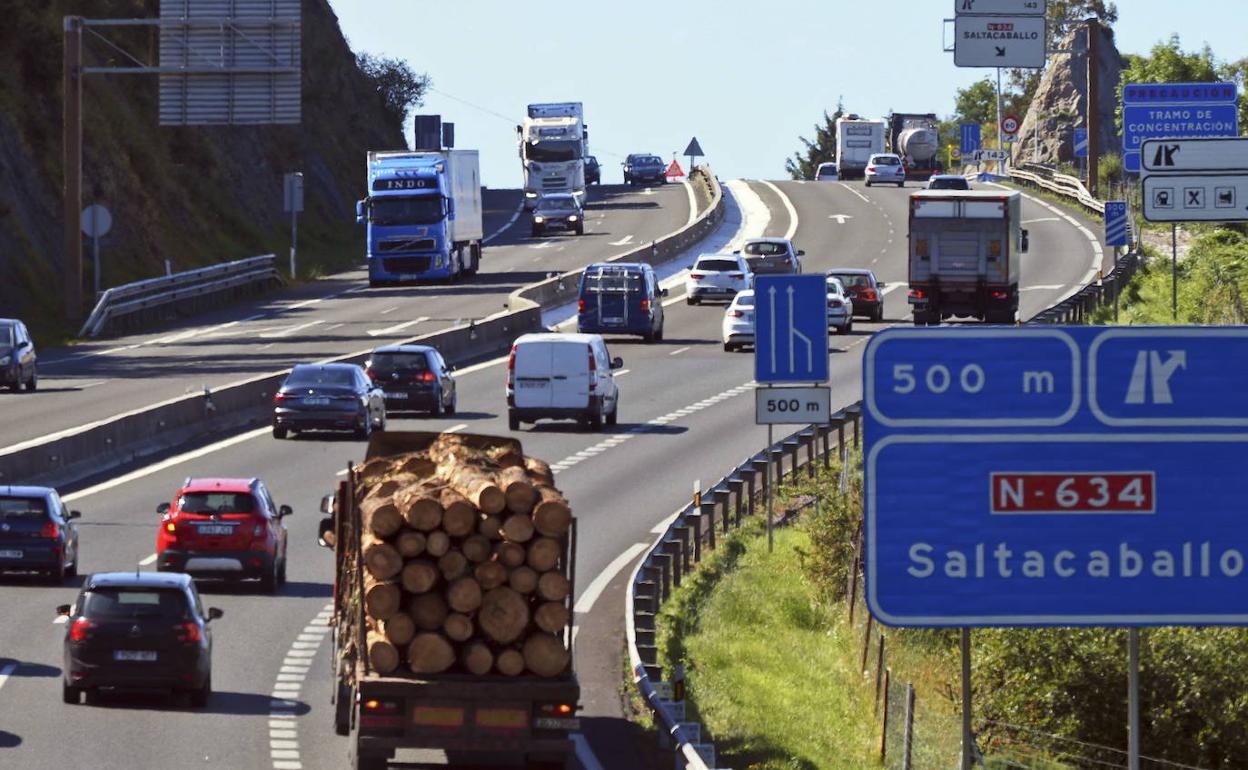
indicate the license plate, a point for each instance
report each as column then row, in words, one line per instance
column 532, row 383
column 215, row 529
column 316, row 401
column 10, row 554
column 613, row 320
column 916, row 300
column 395, row 395
column 146, row 656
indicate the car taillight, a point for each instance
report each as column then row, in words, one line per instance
column 1000, row 294
column 371, row 374
column 834, row 303
column 50, row 530
column 426, row 377
column 868, row 294
column 593, row 368
column 80, row 631
column 871, row 169
column 735, row 313
column 580, row 306
column 511, row 368
column 188, row 633
column 917, row 293
column 736, row 275
column 645, row 307
column 696, row 276
column 171, row 526
column 279, row 397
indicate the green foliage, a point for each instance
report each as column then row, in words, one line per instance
column 1213, row 284
column 1237, row 72
column 832, row 527
column 977, row 103
column 1167, row 63
column 822, row 149
column 1109, row 170
column 400, row 87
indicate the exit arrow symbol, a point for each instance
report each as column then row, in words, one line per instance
column 840, row 218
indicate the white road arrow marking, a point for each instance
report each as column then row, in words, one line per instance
column 622, row 242
column 771, row 293
column 840, row 218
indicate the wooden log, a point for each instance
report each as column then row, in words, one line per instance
column 391, row 484
column 523, row 580
column 544, row 553
column 458, row 517
column 518, row 528
column 418, row 576
column 474, row 484
column 477, row 658
column 552, row 617
column 490, row 574
column 410, row 543
column 381, row 598
column 545, row 655
column 517, row 489
column 506, row 456
column 399, row 629
column 510, row 554
column 382, row 560
column 453, row 565
column 476, row 548
column 428, row 611
column 553, row 586
column 383, row 656
column 375, row 468
column 381, row 516
column 540, row 472
column 430, row 653
column 421, row 509
column 552, row 516
column 509, row 662
column 437, row 543
column 464, row 595
column 418, row 464
column 458, row 627
column 491, row 525
column 504, row 614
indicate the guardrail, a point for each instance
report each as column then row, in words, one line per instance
column 140, row 296
column 1046, row 178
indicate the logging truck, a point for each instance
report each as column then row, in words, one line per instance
column 454, row 556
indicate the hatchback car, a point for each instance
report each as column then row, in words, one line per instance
column 328, row 397
column 138, row 630
column 558, row 211
column 717, row 276
column 840, row 308
column 17, row 356
column 772, row 256
column 866, row 292
column 640, row 168
column 413, row 377
column 224, row 528
column 826, row 172
column 620, row 298
column 885, row 167
column 37, row 533
column 593, row 171
column 948, row 182
column 738, row 324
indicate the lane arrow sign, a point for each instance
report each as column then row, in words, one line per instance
column 840, row 218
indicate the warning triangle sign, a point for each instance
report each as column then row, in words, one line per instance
column 674, row 170
column 694, row 148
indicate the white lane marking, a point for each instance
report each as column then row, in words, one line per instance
column 586, row 601
column 331, row 327
column 621, row 242
column 8, row 669
column 1046, row 287
column 1098, row 253
column 891, row 287
column 481, row 366
column 290, row 330
column 1041, row 219
column 284, row 741
column 542, row 245
column 164, row 464
column 755, row 216
column 456, row 428
column 622, row 372
column 307, row 302
column 389, row 310
column 92, row 384
column 397, row 327
column 693, row 202
column 61, row 620
column 855, row 192
column 678, row 351
column 147, row 561
column 584, row 753
column 662, row 526
column 515, row 215
column 788, row 207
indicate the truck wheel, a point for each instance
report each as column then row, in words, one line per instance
column 513, row 421
column 580, row 229
column 279, row 431
column 342, row 698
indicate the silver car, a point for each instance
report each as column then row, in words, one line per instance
column 840, row 307
column 885, row 167
column 772, row 256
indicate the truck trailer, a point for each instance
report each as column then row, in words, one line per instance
column 554, row 143
column 423, row 215
column 916, row 138
column 965, row 254
column 451, row 623
column 856, row 141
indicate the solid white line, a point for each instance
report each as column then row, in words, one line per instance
column 855, row 192
column 693, row 202
column 788, row 207
column 510, row 222
column 397, row 327
column 169, row 463
column 287, row 332
column 1041, row 219
column 678, row 351
column 662, row 526
column 586, row 601
column 148, row 560
column 389, row 310
column 456, row 428
column 481, row 366
column 621, row 242
column 891, row 287
column 622, row 372
column 8, row 669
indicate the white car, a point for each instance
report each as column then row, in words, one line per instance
column 840, row 307
column 885, row 167
column 562, row 377
column 738, row 324
column 826, row 172
column 717, row 276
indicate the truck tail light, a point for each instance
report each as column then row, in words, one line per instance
column 80, row 631
column 994, row 248
column 1000, row 294
column 511, row 369
column 593, row 369
column 377, row 713
column 580, row 306
column 921, row 247
column 645, row 307
column 918, row 293
column 556, row 709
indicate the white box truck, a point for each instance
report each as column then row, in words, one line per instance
column 554, row 142
column 856, row 141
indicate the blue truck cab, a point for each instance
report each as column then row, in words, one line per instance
column 423, row 215
column 620, row 298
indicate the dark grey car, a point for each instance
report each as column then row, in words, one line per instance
column 558, row 211
column 643, row 167
column 413, row 377
column 37, row 533
column 17, row 356
column 328, row 397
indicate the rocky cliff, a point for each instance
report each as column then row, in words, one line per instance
column 193, row 195
column 1060, row 103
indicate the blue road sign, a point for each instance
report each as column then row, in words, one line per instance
column 1116, row 230
column 1060, row 476
column 1175, row 110
column 1081, row 142
column 790, row 328
column 970, row 138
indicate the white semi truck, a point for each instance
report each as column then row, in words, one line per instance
column 856, row 141
column 554, row 143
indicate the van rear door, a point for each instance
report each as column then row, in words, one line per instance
column 570, row 375
column 533, row 385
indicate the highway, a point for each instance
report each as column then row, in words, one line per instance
column 685, row 414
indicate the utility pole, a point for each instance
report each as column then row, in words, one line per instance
column 1094, row 97
column 71, row 147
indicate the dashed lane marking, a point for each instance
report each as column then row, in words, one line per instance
column 678, row 351
column 397, row 327
column 284, row 699
column 515, row 215
column 855, row 192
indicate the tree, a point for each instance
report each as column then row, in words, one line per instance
column 977, row 103
column 400, row 87
column 1167, row 62
column 821, row 150
column 1237, row 73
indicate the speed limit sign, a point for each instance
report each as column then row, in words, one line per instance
column 1010, row 124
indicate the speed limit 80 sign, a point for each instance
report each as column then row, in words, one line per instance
column 805, row 406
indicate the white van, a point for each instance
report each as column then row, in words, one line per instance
column 564, row 377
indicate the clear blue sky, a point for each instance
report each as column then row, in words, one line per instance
column 746, row 77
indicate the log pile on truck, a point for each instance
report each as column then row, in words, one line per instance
column 465, row 560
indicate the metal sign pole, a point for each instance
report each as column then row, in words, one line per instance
column 1174, row 271
column 967, row 740
column 294, row 235
column 770, row 486
column 71, row 148
column 1133, row 699
column 95, row 258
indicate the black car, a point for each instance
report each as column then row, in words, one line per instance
column 17, row 356
column 643, row 167
column 593, row 172
column 413, row 378
column 866, row 293
column 558, row 211
column 37, row 534
column 328, row 397
column 138, row 630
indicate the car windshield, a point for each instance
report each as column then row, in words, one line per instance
column 887, row 160
column 766, row 249
column 950, row 183
column 744, row 300
column 6, row 337
column 834, row 287
column 717, row 265
column 215, row 502
column 650, row 160
column 417, row 210
column 853, row 280
column 133, row 603
column 23, row 508
column 612, row 281
column 315, row 375
column 552, row 150
column 397, row 360
column 558, row 204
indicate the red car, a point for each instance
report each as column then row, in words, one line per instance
column 224, row 528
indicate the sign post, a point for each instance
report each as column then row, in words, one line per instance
column 292, row 202
column 96, row 221
column 694, row 150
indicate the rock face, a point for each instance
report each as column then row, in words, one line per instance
column 1060, row 104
